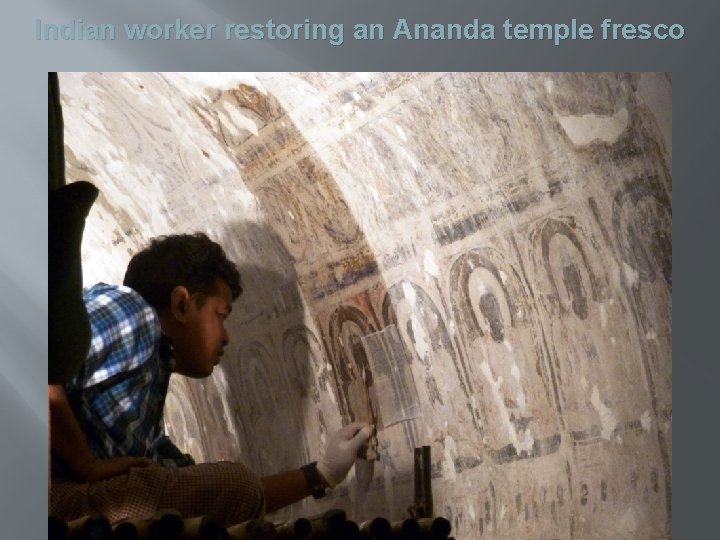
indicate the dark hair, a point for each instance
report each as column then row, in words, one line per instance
column 189, row 260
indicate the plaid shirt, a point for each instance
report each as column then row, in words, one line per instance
column 119, row 394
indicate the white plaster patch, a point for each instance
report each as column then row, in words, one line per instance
column 650, row 334
column 508, row 345
column 502, row 511
column 626, row 527
column 240, row 120
column 646, row 421
column 608, row 422
column 588, row 128
column 409, row 293
column 449, row 462
column 401, row 133
column 583, row 383
column 228, row 124
column 503, row 276
column 429, row 264
column 471, row 513
column 515, row 372
column 603, row 316
column 631, row 275
column 330, row 393
column 421, row 339
column 523, row 442
column 115, row 167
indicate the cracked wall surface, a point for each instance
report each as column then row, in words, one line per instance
column 476, row 262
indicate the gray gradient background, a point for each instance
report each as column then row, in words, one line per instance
column 23, row 217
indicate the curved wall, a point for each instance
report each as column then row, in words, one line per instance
column 476, row 262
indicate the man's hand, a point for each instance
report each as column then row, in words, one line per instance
column 341, row 451
column 102, row 469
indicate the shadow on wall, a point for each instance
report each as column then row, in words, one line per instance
column 253, row 402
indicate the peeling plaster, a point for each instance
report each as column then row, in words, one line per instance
column 590, row 128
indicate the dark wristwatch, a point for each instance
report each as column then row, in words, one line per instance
column 314, row 480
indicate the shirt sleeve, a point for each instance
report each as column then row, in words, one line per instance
column 125, row 330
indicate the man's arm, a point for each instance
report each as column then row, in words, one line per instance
column 284, row 489
column 68, row 440
column 342, row 448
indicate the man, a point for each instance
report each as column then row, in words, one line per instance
column 106, row 433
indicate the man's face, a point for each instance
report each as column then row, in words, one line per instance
column 199, row 347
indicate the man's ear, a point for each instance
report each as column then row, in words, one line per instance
column 179, row 303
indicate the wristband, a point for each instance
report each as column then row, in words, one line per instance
column 314, row 481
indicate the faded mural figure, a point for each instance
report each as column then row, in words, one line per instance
column 600, row 378
column 436, row 370
column 510, row 379
column 348, row 325
column 588, row 333
column 642, row 222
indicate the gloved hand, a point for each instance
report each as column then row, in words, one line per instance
column 341, row 451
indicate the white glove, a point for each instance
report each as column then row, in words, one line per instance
column 341, row 451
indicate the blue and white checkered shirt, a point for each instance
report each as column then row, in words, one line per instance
column 119, row 394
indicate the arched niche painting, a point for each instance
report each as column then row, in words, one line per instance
column 437, row 370
column 347, row 326
column 509, row 372
column 307, row 210
column 311, row 388
column 599, row 376
column 285, row 210
column 268, row 418
column 642, row 222
column 291, row 183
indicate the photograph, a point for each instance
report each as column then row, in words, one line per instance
column 374, row 305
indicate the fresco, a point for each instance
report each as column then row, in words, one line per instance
column 479, row 262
